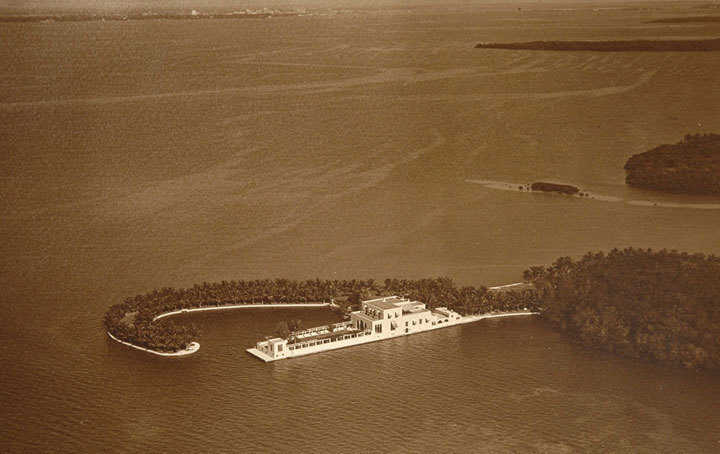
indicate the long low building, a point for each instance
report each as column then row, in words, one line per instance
column 377, row 319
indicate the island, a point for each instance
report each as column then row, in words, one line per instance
column 692, row 166
column 686, row 20
column 141, row 321
column 638, row 45
column 661, row 306
column 554, row 187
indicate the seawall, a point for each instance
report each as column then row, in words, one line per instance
column 194, row 346
column 239, row 306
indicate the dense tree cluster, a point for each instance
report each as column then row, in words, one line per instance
column 286, row 329
column 638, row 45
column 554, row 187
column 132, row 319
column 690, row 166
column 162, row 336
column 685, row 20
column 466, row 300
column 662, row 306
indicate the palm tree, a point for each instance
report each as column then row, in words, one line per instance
column 294, row 324
column 282, row 330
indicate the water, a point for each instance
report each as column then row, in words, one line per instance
column 142, row 155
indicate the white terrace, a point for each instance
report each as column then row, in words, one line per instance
column 377, row 319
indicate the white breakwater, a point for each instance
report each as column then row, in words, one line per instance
column 239, row 306
column 192, row 348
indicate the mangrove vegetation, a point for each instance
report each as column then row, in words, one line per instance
column 554, row 187
column 638, row 45
column 690, row 166
column 686, row 20
column 662, row 306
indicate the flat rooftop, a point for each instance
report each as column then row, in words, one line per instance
column 416, row 310
column 389, row 302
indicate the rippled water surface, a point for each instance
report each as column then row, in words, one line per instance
column 164, row 153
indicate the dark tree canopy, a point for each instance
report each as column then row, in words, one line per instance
column 662, row 306
column 554, row 187
column 637, row 45
column 690, row 166
column 685, row 20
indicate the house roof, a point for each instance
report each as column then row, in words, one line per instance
column 416, row 310
column 389, row 302
column 383, row 305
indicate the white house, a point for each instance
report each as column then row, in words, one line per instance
column 377, row 319
column 394, row 315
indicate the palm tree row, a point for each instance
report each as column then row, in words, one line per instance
column 466, row 300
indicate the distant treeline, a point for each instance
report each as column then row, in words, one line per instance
column 662, row 306
column 690, row 166
column 685, row 20
column 639, row 45
column 142, row 16
column 132, row 319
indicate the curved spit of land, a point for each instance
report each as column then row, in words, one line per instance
column 192, row 347
column 638, row 45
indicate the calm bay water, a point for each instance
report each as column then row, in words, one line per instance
column 164, row 153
